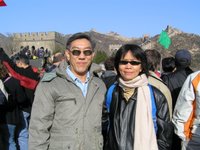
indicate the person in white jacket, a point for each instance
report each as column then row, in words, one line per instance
column 186, row 116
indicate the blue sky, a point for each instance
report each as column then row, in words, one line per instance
column 129, row 18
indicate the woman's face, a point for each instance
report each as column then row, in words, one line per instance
column 129, row 67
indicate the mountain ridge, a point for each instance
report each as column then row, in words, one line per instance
column 180, row 40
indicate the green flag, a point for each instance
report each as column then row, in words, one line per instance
column 164, row 40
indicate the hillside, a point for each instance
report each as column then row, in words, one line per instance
column 180, row 40
column 104, row 40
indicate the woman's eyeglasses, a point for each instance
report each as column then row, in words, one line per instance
column 125, row 62
column 78, row 52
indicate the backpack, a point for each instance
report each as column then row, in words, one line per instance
column 153, row 103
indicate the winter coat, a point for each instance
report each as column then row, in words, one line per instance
column 10, row 114
column 174, row 82
column 121, row 131
column 62, row 118
column 159, row 84
column 186, row 117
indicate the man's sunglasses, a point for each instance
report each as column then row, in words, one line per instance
column 125, row 62
column 78, row 52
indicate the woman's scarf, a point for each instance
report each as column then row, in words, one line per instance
column 145, row 137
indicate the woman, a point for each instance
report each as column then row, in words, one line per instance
column 131, row 125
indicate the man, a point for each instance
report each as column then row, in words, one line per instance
column 175, row 81
column 186, row 113
column 67, row 108
column 153, row 60
column 25, row 69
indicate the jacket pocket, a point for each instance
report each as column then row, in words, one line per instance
column 66, row 98
column 62, row 147
column 62, row 142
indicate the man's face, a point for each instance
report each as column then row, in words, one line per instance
column 19, row 64
column 80, row 55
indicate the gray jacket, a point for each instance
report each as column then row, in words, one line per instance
column 62, row 118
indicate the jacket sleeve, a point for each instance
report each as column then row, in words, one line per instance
column 165, row 128
column 41, row 117
column 183, row 108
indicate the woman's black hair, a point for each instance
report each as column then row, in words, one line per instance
column 137, row 52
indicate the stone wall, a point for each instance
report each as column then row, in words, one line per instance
column 48, row 40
